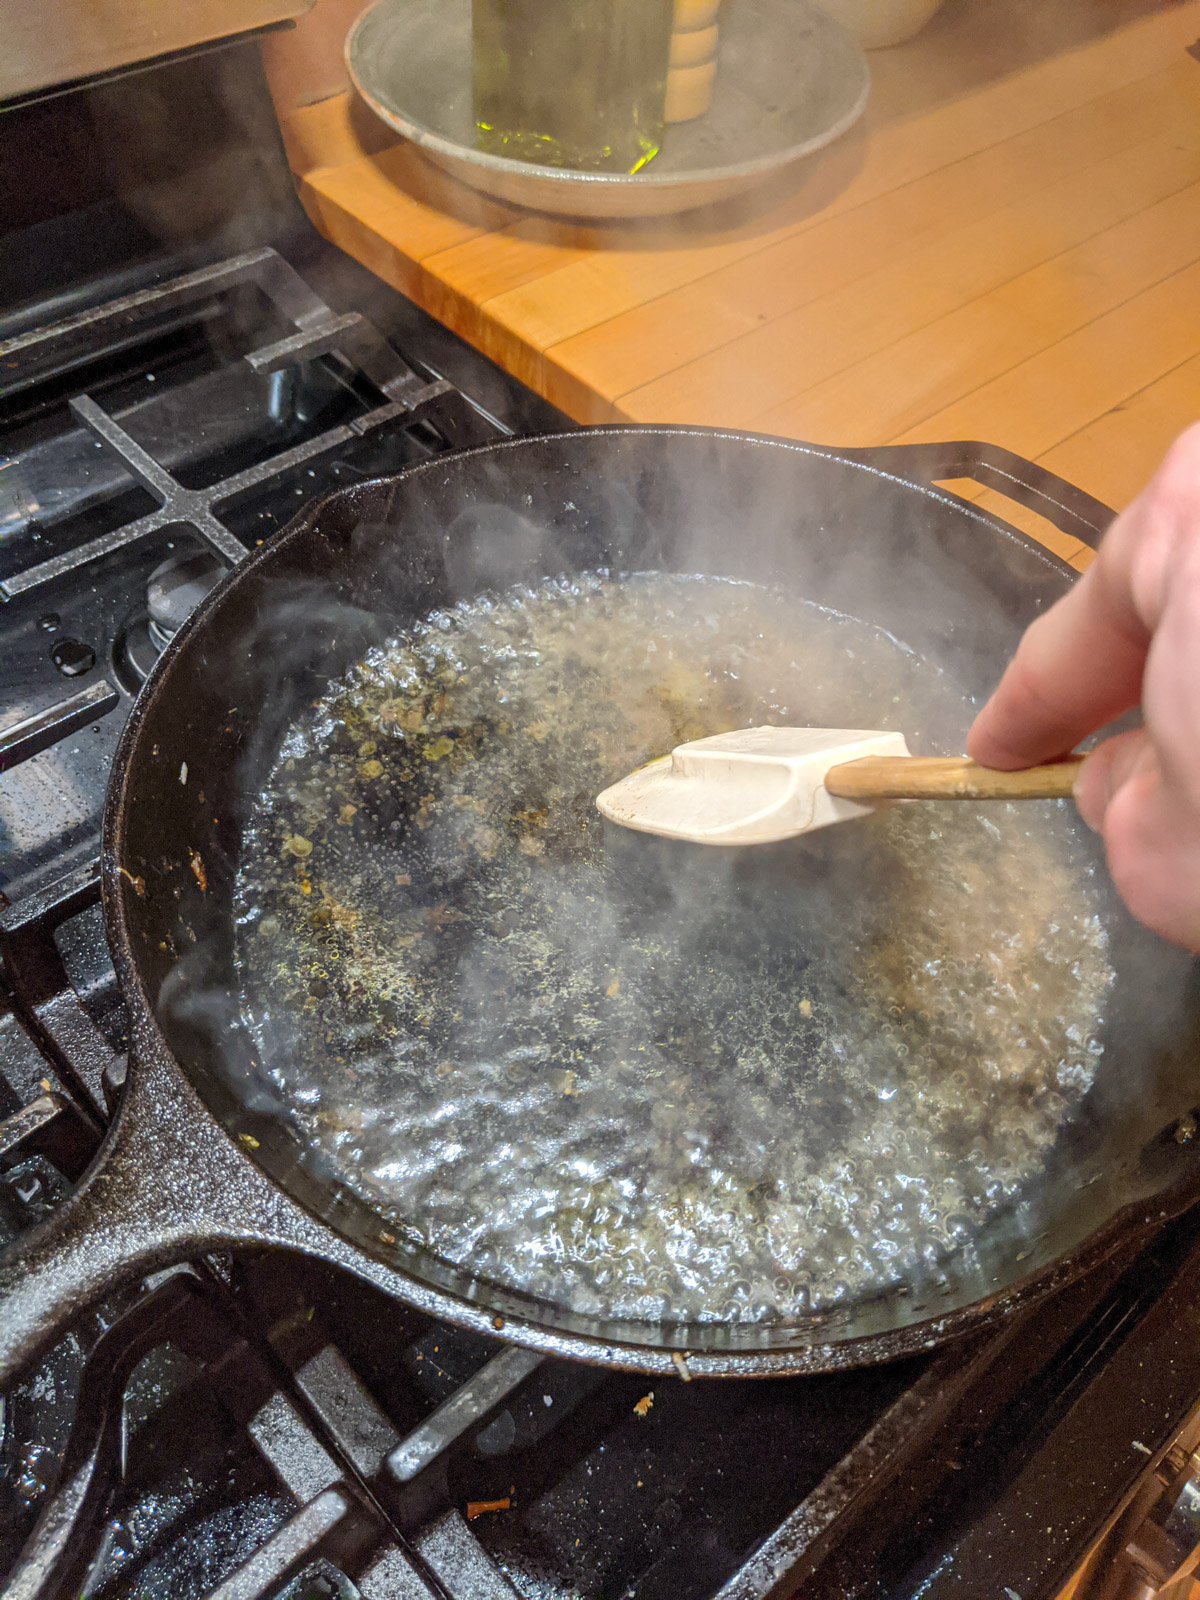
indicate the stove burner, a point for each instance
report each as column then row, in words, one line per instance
column 135, row 650
column 176, row 587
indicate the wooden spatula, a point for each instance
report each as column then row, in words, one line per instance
column 759, row 785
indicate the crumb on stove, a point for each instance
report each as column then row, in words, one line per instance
column 476, row 1508
column 644, row 1405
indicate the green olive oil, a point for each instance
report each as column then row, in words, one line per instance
column 571, row 83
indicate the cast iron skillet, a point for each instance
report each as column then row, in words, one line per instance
column 194, row 1161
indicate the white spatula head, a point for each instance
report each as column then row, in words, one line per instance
column 753, row 786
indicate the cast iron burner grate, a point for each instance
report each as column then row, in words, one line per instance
column 40, row 355
column 186, row 421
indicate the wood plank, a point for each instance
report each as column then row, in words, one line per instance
column 454, row 289
column 1038, row 527
column 1040, row 403
column 602, row 285
column 397, row 189
column 333, row 132
column 1069, row 549
column 368, row 204
column 1073, row 551
column 1111, row 453
column 518, row 344
column 624, row 353
column 743, row 380
column 912, row 388
column 496, row 262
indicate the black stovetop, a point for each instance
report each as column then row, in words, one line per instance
column 261, row 1426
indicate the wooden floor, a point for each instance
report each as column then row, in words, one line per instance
column 1008, row 248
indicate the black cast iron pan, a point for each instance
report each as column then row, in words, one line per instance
column 192, row 1163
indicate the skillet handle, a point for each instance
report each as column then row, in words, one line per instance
column 158, row 1192
column 1072, row 511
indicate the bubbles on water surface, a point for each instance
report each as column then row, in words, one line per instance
column 637, row 1078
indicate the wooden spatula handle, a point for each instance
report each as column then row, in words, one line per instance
column 947, row 778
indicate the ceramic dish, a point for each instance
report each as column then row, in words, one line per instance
column 790, row 81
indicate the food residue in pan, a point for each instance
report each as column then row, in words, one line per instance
column 637, row 1083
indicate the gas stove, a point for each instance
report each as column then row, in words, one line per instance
column 260, row 1426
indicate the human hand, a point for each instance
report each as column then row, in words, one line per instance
column 1127, row 633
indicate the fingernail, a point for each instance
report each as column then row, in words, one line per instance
column 1091, row 794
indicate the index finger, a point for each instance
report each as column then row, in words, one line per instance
column 1081, row 664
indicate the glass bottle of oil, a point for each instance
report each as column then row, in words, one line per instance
column 571, row 83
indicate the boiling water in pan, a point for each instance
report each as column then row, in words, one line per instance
column 642, row 1079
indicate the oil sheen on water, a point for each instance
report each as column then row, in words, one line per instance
column 641, row 1079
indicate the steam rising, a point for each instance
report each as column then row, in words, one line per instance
column 642, row 1080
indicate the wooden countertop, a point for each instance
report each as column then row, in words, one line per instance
column 1008, row 248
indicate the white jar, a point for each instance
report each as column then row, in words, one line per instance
column 875, row 23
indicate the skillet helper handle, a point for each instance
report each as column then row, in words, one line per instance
column 1072, row 511
column 948, row 778
column 155, row 1195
